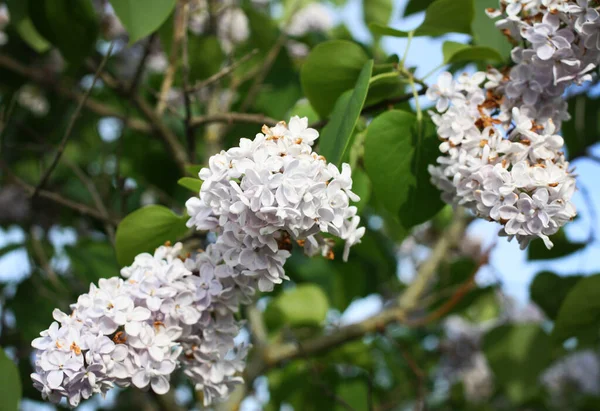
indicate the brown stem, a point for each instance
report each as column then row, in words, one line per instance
column 70, row 127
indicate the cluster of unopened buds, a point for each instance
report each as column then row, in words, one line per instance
column 169, row 311
column 502, row 156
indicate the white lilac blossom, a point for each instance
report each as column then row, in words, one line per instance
column 502, row 155
column 271, row 190
column 169, row 312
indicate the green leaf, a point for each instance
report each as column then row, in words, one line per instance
column 93, row 260
column 146, row 229
column 193, row 169
column 562, row 247
column 361, row 185
column 485, row 32
column 396, row 160
column 335, row 137
column 304, row 305
column 193, row 184
column 377, row 11
column 517, row 354
column 30, row 35
column 583, row 130
column 416, row 6
column 330, row 69
column 441, row 17
column 19, row 15
column 142, row 17
column 10, row 389
column 70, row 25
column 457, row 53
column 549, row 290
column 579, row 314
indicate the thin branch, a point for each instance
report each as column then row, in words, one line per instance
column 141, row 65
column 70, row 127
column 178, row 35
column 93, row 190
column 170, row 139
column 189, row 130
column 233, row 118
column 419, row 374
column 58, row 199
column 177, row 151
column 279, row 353
column 41, row 78
column 262, row 72
column 458, row 295
column 258, row 328
column 38, row 250
column 222, row 73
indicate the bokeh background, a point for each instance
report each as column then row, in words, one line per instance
column 461, row 372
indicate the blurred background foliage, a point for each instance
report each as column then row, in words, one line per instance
column 131, row 101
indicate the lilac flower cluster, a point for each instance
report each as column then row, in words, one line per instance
column 169, row 311
column 137, row 330
column 502, row 154
column 275, row 189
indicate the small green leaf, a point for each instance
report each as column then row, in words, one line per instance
column 146, row 229
column 441, row 17
column 330, row 69
column 377, row 11
column 30, row 35
column 549, row 290
column 579, row 314
column 304, row 305
column 193, row 169
column 396, row 160
column 336, row 136
column 193, row 184
column 70, row 25
column 517, row 354
column 562, row 247
column 457, row 53
column 142, row 17
column 10, row 389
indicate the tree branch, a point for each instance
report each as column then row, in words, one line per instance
column 262, row 72
column 189, row 130
column 232, row 118
column 179, row 28
column 222, row 73
column 58, row 199
column 274, row 355
column 70, row 127
column 170, row 139
column 42, row 78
